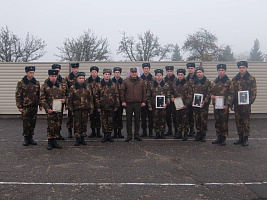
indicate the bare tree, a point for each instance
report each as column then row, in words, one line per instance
column 146, row 48
column 86, row 47
column 13, row 49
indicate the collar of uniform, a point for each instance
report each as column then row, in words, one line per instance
column 71, row 76
column 149, row 77
column 114, row 80
column 171, row 78
column 182, row 82
column 50, row 84
column 77, row 85
column 97, row 79
column 193, row 77
column 25, row 80
column 223, row 79
column 60, row 79
column 245, row 77
column 202, row 81
column 103, row 82
column 155, row 83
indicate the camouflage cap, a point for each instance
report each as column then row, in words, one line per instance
column 242, row 63
column 52, row 72
column 107, row 71
column 29, row 68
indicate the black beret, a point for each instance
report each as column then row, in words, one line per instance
column 221, row 66
column 80, row 74
column 242, row 63
column 56, row 66
column 190, row 65
column 52, row 72
column 158, row 71
column 75, row 65
column 94, row 68
column 29, row 68
column 200, row 68
column 146, row 65
column 107, row 71
column 133, row 69
column 181, row 71
column 117, row 69
column 169, row 68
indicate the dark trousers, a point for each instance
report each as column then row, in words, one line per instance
column 29, row 117
column 201, row 119
column 170, row 116
column 95, row 119
column 117, row 120
column 242, row 119
column 80, row 122
column 130, row 109
column 53, row 125
column 146, row 116
column 221, row 121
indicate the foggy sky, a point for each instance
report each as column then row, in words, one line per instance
column 235, row 22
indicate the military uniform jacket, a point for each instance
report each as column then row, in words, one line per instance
column 182, row 89
column 202, row 86
column 27, row 93
column 93, row 85
column 118, row 83
column 158, row 89
column 148, row 80
column 70, row 80
column 222, row 87
column 191, row 79
column 247, row 82
column 50, row 91
column 108, row 97
column 62, row 81
column 80, row 97
column 170, row 80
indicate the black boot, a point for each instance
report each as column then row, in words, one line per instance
column 198, row 136
column 26, row 141
column 60, row 137
column 144, row 134
column 115, row 133
column 179, row 135
column 49, row 144
column 192, row 132
column 31, row 141
column 185, row 136
column 119, row 134
column 98, row 134
column 93, row 133
column 169, row 132
column 162, row 135
column 138, row 138
column 223, row 143
column 203, row 137
column 110, row 138
column 83, row 141
column 218, row 140
column 239, row 141
column 175, row 134
column 105, row 138
column 128, row 139
column 56, row 145
column 70, row 133
column 150, row 132
column 157, row 135
column 245, row 142
column 78, row 141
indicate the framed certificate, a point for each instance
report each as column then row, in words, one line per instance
column 243, row 97
column 219, row 102
column 198, row 99
column 178, row 102
column 57, row 105
column 160, row 101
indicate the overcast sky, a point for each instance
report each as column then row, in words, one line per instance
column 235, row 22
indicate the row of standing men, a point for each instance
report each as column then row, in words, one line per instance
column 104, row 100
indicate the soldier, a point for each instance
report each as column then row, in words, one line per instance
column 201, row 85
column 133, row 97
column 117, row 80
column 80, row 101
column 159, row 87
column 107, row 103
column 145, row 112
column 70, row 80
column 170, row 79
column 181, row 89
column 27, row 101
column 190, row 78
column 221, row 87
column 93, row 82
column 243, row 81
column 50, row 91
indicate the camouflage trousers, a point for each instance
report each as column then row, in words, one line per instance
column 53, row 125
column 130, row 109
column 29, row 116
column 242, row 119
column 70, row 119
column 146, row 116
column 80, row 122
column 191, row 117
column 117, row 120
column 107, row 120
column 182, row 120
column 201, row 119
column 221, row 121
column 95, row 119
column 170, row 117
column 159, row 116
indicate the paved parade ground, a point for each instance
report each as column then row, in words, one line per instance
column 151, row 169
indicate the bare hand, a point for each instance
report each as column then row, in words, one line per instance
column 124, row 104
column 202, row 104
column 50, row 111
column 212, row 97
column 172, row 99
column 143, row 104
column 150, row 109
column 116, row 109
column 66, row 107
column 40, row 108
column 21, row 110
column 62, row 100
column 165, row 106
column 98, row 110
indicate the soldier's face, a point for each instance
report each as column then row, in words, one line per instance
column 80, row 79
column 75, row 70
column 117, row 74
column 58, row 71
column 133, row 74
column 94, row 73
column 181, row 76
column 169, row 73
column 30, row 74
column 159, row 76
column 221, row 73
column 106, row 76
column 146, row 70
column 191, row 70
column 242, row 69
column 53, row 78
column 200, row 74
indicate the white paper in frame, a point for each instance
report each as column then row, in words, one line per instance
column 160, row 101
column 243, row 97
column 197, row 101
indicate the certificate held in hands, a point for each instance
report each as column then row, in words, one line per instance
column 197, row 101
column 219, row 102
column 178, row 102
column 57, row 105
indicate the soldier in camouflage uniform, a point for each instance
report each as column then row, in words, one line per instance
column 27, row 101
column 182, row 89
column 145, row 112
column 201, row 85
column 69, row 81
column 117, row 80
column 190, row 79
column 80, row 101
column 49, row 91
column 221, row 87
column 107, row 103
column 243, row 81
column 93, row 81
column 170, row 117
column 158, row 87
